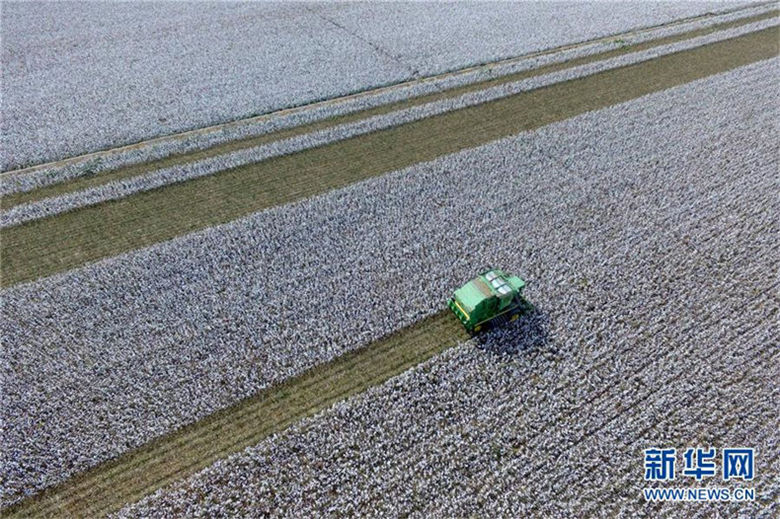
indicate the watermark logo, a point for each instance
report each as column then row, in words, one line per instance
column 659, row 464
column 702, row 494
column 738, row 463
column 699, row 463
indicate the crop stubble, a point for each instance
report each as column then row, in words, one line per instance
column 645, row 415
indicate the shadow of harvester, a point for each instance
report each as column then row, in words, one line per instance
column 524, row 335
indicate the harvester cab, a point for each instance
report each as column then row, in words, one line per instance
column 492, row 298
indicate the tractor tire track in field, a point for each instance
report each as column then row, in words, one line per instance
column 128, row 478
column 44, row 247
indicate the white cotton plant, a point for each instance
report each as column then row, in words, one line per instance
column 479, row 433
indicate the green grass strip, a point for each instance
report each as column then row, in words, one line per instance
column 68, row 240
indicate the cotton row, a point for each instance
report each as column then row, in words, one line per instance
column 79, row 78
column 476, row 432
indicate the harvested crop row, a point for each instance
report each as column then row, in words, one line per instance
column 115, row 190
column 100, row 169
column 71, row 239
column 198, row 323
column 81, row 77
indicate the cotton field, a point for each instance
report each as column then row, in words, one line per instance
column 81, row 77
column 642, row 214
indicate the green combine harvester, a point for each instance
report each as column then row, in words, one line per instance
column 490, row 299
